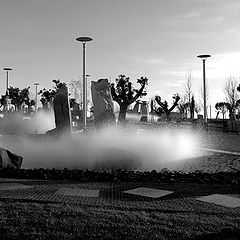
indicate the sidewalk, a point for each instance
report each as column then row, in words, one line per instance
column 158, row 196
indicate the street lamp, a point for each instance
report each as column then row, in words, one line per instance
column 36, row 84
column 204, row 57
column 7, row 69
column 84, row 40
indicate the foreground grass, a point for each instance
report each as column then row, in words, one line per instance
column 62, row 221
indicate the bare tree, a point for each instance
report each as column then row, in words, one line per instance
column 192, row 107
column 188, row 87
column 183, row 106
column 188, row 92
column 198, row 108
column 125, row 94
column 222, row 107
column 238, row 108
column 76, row 91
column 231, row 94
column 163, row 106
column 47, row 95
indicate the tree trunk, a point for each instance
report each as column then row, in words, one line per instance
column 192, row 113
column 122, row 114
column 168, row 116
column 18, row 107
column 231, row 113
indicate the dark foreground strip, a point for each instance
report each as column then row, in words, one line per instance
column 225, row 234
column 167, row 176
column 11, row 200
column 145, row 209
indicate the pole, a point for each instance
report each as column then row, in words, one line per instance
column 204, row 93
column 86, row 76
column 7, row 84
column 36, row 99
column 84, row 90
column 84, row 40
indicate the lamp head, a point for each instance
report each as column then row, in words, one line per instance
column 7, row 69
column 204, row 57
column 84, row 39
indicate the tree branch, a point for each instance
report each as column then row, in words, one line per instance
column 114, row 94
column 138, row 94
column 177, row 98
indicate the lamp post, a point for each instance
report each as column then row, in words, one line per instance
column 84, row 40
column 7, row 70
column 204, row 57
column 36, row 84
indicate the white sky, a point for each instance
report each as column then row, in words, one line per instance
column 157, row 39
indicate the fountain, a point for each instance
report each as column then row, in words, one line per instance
column 141, row 146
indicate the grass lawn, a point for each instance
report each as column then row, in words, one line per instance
column 50, row 221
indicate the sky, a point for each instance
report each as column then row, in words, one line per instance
column 157, row 39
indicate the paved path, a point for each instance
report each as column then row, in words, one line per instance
column 155, row 196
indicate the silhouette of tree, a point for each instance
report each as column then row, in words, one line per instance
column 18, row 97
column 188, row 87
column 230, row 90
column 182, row 107
column 124, row 93
column 192, row 107
column 222, row 107
column 163, row 106
column 238, row 88
column 32, row 102
column 48, row 95
column 188, row 94
column 3, row 100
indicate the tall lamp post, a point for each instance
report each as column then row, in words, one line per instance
column 36, row 98
column 84, row 40
column 7, row 70
column 204, row 57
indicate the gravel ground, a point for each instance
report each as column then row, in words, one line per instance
column 212, row 163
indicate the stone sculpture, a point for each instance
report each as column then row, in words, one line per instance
column 9, row 159
column 61, row 112
column 103, row 108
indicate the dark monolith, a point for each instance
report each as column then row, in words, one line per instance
column 103, row 108
column 61, row 112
